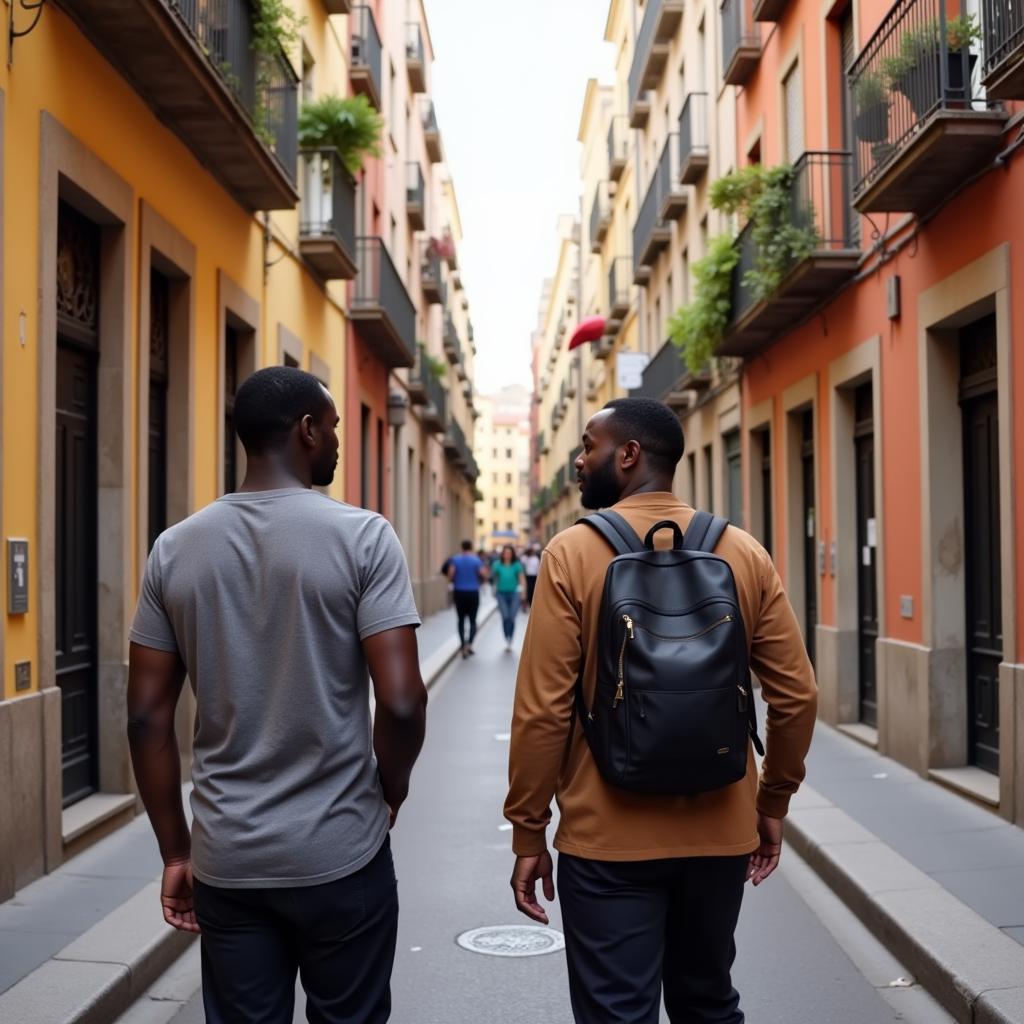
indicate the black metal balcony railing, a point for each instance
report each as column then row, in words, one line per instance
column 328, row 207
column 367, row 55
column 741, row 40
column 620, row 283
column 435, row 289
column 917, row 62
column 599, row 216
column 819, row 223
column 618, row 146
column 378, row 292
column 571, row 466
column 415, row 195
column 661, row 374
column 560, row 483
column 1002, row 23
column 693, row 138
column 452, row 342
column 436, row 410
column 431, row 132
column 671, row 192
column 660, row 20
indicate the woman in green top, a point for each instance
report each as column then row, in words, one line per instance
column 508, row 574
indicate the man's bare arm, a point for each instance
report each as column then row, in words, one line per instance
column 155, row 679
column 401, row 714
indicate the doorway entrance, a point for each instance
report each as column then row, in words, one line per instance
column 810, row 530
column 867, row 573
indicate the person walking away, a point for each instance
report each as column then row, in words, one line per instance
column 278, row 603
column 467, row 572
column 508, row 578
column 655, row 849
column 531, row 567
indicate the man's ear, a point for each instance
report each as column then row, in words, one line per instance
column 308, row 431
column 630, row 454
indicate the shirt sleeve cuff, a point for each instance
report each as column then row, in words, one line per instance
column 773, row 805
column 527, row 842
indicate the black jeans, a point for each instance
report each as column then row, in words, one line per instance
column 467, row 604
column 632, row 928
column 339, row 936
column 531, row 586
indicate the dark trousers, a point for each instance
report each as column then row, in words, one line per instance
column 340, row 937
column 467, row 604
column 531, row 586
column 633, row 928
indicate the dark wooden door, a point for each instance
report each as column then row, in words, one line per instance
column 867, row 573
column 766, row 489
column 982, row 554
column 230, row 387
column 810, row 531
column 159, row 297
column 76, row 581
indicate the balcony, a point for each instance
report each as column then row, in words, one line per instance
column 560, row 485
column 603, row 348
column 693, row 138
column 667, row 379
column 458, row 451
column 327, row 215
column 415, row 58
column 435, row 291
column 194, row 65
column 672, row 195
column 571, row 465
column 435, row 412
column 620, row 296
column 415, row 196
column 661, row 19
column 651, row 233
column 543, row 445
column 381, row 309
column 769, row 10
column 618, row 146
column 1002, row 24
column 600, row 216
column 367, row 56
column 432, row 134
column 338, row 6
column 452, row 342
column 820, row 213
column 741, row 42
column 418, row 376
column 921, row 124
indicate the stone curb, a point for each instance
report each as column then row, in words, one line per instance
column 95, row 978
column 971, row 967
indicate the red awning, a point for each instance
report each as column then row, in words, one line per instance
column 591, row 329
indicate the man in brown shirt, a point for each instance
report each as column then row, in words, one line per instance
column 650, row 885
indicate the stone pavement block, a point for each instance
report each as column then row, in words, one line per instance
column 67, row 992
column 998, row 846
column 1000, row 1007
column 995, row 893
column 807, row 798
column 22, row 951
column 824, row 825
column 878, row 867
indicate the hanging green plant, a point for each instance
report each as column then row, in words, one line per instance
column 275, row 30
column 438, row 367
column 698, row 328
column 348, row 124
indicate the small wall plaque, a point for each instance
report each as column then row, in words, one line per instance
column 22, row 675
column 906, row 606
column 17, row 576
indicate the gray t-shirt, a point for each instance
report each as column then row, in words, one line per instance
column 266, row 596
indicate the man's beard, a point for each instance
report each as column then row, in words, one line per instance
column 601, row 486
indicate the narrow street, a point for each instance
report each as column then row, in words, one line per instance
column 802, row 957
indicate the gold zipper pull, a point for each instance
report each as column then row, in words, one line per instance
column 620, row 690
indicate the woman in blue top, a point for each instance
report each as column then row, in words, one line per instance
column 508, row 575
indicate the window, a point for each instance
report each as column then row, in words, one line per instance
column 686, row 278
column 709, row 477
column 494, row 503
column 508, row 503
column 734, row 477
column 364, row 441
column 792, row 88
column 510, row 527
column 494, row 453
column 508, row 453
column 508, row 478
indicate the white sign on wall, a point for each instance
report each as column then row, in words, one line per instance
column 629, row 369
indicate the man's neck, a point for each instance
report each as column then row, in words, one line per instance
column 649, row 485
column 270, row 473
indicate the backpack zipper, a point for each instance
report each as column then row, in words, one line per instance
column 693, row 636
column 627, row 635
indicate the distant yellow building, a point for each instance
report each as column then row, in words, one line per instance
column 503, row 455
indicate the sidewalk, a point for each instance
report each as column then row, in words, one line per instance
column 81, row 944
column 937, row 879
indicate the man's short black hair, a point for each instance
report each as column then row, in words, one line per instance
column 653, row 424
column 271, row 402
column 467, row 545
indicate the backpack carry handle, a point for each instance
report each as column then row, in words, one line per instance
column 665, row 524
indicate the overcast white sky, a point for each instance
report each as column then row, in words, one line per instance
column 508, row 83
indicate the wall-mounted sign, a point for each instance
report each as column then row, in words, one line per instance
column 629, row 369
column 17, row 576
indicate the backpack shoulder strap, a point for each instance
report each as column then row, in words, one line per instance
column 619, row 534
column 704, row 531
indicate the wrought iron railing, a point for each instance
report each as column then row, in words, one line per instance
column 917, row 62
column 430, row 272
column 599, row 216
column 571, row 466
column 644, row 40
column 452, row 341
column 560, row 482
column 437, row 395
column 662, row 374
column 620, row 283
column 819, row 220
column 1002, row 25
column 430, row 117
column 647, row 220
column 379, row 286
column 415, row 185
column 738, row 29
column 667, row 175
column 618, row 141
column 328, row 198
column 367, row 50
column 693, row 128
column 265, row 86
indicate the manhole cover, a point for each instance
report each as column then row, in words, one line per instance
column 512, row 940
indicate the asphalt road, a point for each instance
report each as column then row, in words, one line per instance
column 802, row 958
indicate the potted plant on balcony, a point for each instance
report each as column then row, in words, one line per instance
column 348, row 124
column 915, row 70
column 871, row 107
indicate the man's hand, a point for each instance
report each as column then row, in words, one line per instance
column 524, row 884
column 765, row 859
column 176, row 896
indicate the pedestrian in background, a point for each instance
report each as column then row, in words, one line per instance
column 508, row 579
column 531, row 567
column 650, row 882
column 278, row 602
column 467, row 572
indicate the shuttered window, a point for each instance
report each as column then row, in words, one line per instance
column 793, row 90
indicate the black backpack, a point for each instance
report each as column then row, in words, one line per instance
column 672, row 707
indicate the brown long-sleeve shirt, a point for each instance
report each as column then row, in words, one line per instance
column 601, row 822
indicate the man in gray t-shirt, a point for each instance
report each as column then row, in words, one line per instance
column 276, row 601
